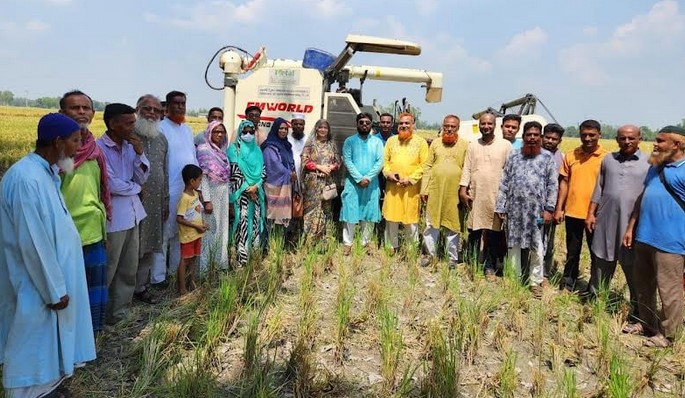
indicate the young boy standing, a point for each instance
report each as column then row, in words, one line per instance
column 190, row 227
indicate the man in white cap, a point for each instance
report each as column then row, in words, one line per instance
column 297, row 139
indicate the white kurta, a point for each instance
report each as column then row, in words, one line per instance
column 180, row 153
column 40, row 261
column 298, row 147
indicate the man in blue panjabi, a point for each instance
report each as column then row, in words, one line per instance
column 45, row 322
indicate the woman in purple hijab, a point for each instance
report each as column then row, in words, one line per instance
column 211, row 157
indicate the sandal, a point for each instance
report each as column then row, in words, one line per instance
column 633, row 328
column 657, row 341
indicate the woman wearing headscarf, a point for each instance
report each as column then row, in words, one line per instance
column 212, row 159
column 247, row 192
column 281, row 178
column 320, row 161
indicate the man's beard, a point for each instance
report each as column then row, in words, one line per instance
column 298, row 135
column 660, row 158
column 147, row 128
column 178, row 119
column 84, row 125
column 405, row 134
column 66, row 164
column 449, row 139
column 530, row 151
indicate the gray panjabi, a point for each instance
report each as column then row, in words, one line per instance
column 618, row 185
column 155, row 196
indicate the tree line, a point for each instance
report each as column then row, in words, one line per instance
column 8, row 98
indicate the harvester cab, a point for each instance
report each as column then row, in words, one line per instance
column 282, row 87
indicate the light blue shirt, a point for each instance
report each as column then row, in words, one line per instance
column 40, row 261
column 662, row 220
column 363, row 158
column 126, row 173
column 517, row 144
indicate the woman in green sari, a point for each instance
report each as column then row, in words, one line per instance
column 247, row 194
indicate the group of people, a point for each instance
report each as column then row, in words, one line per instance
column 96, row 223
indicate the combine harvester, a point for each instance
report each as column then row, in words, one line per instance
column 527, row 104
column 280, row 87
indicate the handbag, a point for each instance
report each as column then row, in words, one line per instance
column 329, row 191
column 298, row 210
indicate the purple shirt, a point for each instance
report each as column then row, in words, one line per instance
column 126, row 172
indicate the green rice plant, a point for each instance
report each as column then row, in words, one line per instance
column 405, row 387
column 445, row 279
column 391, row 345
column 442, row 369
column 538, row 335
column 566, row 385
column 537, row 388
column 655, row 364
column 342, row 312
column 619, row 383
column 604, row 349
column 376, row 294
column 412, row 251
column 192, row 379
column 472, row 316
column 156, row 354
column 507, row 379
column 301, row 363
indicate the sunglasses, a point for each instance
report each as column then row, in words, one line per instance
column 248, row 132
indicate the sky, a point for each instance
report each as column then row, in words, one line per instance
column 617, row 61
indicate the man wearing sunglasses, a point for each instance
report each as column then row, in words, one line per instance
column 155, row 193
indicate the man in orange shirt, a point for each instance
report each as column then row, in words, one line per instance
column 578, row 174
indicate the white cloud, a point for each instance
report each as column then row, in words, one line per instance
column 328, row 8
column 590, row 31
column 36, row 25
column 59, row 2
column 663, row 25
column 212, row 15
column 579, row 61
column 632, row 44
column 426, row 7
column 525, row 44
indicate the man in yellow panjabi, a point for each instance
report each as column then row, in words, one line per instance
column 440, row 191
column 406, row 155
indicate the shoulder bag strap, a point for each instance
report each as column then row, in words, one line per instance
column 662, row 178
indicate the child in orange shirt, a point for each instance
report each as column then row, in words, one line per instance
column 190, row 227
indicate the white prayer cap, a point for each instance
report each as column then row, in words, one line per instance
column 297, row 116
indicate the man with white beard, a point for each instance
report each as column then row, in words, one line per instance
column 45, row 325
column 87, row 197
column 659, row 239
column 181, row 152
column 155, row 193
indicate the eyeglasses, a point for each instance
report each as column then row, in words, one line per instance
column 158, row 111
column 219, row 132
column 364, row 122
column 248, row 132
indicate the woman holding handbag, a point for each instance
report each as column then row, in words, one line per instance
column 320, row 161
